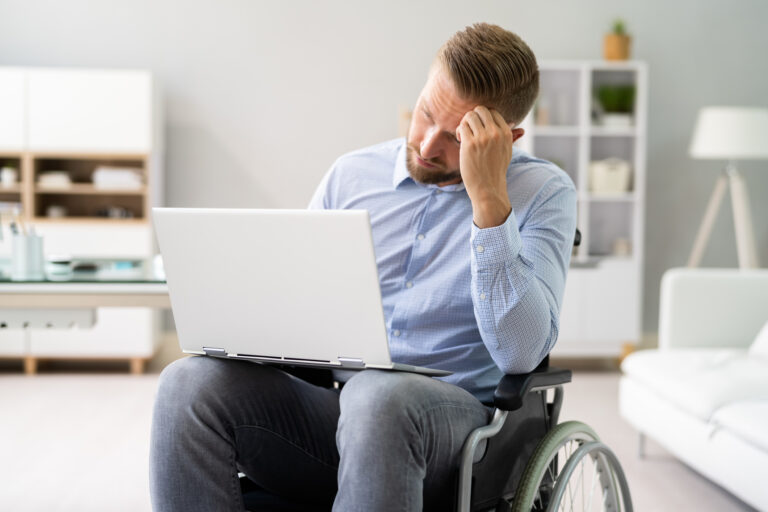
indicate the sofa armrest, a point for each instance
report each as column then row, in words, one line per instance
column 712, row 308
column 512, row 388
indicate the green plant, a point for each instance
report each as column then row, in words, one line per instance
column 617, row 98
column 619, row 28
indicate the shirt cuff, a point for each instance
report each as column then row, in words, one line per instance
column 496, row 246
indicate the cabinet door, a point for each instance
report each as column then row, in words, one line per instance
column 11, row 342
column 12, row 102
column 573, row 310
column 118, row 332
column 90, row 111
column 612, row 301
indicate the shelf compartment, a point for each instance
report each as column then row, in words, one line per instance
column 562, row 151
column 80, row 169
column 90, row 205
column 611, row 229
column 616, row 83
column 558, row 103
column 622, row 148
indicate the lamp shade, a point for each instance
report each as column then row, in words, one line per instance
column 731, row 133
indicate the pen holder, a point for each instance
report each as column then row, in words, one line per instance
column 27, row 263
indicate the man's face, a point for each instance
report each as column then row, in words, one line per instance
column 433, row 149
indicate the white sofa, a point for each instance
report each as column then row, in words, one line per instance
column 703, row 394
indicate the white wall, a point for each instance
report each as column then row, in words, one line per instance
column 262, row 96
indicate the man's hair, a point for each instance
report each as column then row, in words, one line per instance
column 493, row 67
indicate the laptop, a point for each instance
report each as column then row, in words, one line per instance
column 286, row 287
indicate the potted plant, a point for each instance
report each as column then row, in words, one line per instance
column 616, row 44
column 617, row 103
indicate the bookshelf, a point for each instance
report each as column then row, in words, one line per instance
column 569, row 126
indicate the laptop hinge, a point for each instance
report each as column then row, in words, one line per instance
column 209, row 351
column 351, row 362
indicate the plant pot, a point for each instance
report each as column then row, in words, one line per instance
column 616, row 47
column 616, row 120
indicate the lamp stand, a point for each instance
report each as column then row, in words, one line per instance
column 742, row 221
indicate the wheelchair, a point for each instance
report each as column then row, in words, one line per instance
column 529, row 461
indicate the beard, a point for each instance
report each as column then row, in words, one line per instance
column 428, row 175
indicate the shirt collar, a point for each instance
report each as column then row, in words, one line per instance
column 401, row 170
column 401, row 174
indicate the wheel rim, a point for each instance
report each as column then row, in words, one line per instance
column 591, row 479
column 587, row 483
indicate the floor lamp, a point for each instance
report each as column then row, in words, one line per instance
column 730, row 134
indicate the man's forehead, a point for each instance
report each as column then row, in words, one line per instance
column 442, row 100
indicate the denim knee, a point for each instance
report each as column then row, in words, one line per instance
column 185, row 380
column 376, row 401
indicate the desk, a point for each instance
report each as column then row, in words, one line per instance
column 106, row 283
column 37, row 310
column 56, row 294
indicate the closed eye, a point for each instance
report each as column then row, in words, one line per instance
column 451, row 136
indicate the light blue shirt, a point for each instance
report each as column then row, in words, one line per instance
column 476, row 302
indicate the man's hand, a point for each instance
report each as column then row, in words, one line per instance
column 486, row 150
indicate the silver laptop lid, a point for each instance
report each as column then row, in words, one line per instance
column 296, row 284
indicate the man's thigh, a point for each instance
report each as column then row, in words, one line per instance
column 284, row 429
column 409, row 425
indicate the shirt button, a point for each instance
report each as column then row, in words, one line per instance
column 420, row 237
column 482, row 296
column 409, row 284
column 480, row 248
column 397, row 332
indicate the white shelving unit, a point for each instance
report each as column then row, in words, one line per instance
column 72, row 121
column 602, row 305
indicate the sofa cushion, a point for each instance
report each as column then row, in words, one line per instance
column 748, row 420
column 759, row 347
column 700, row 381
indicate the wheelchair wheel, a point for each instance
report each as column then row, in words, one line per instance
column 572, row 470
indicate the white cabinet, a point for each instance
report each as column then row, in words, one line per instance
column 572, row 127
column 90, row 111
column 12, row 104
column 73, row 121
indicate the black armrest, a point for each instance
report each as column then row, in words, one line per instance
column 512, row 388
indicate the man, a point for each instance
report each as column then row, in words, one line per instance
column 473, row 242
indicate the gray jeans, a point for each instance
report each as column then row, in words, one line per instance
column 390, row 441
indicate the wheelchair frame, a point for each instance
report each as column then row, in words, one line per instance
column 520, row 395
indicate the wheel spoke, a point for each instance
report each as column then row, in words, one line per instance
column 592, row 487
column 572, row 492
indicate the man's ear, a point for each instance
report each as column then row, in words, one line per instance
column 517, row 133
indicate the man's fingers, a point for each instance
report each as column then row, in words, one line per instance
column 485, row 116
column 473, row 121
column 460, row 130
column 500, row 121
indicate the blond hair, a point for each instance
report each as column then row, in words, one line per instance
column 493, row 67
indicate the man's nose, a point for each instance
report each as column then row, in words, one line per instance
column 429, row 147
